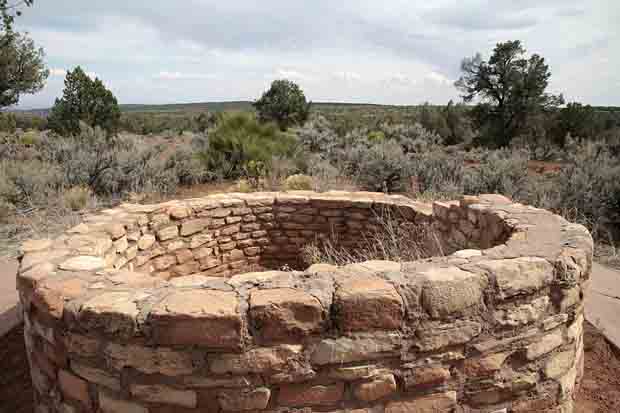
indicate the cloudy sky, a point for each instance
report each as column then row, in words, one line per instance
column 389, row 51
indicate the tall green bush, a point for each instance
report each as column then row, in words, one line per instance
column 284, row 103
column 241, row 146
column 84, row 100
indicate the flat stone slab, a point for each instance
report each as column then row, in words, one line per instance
column 10, row 315
column 603, row 302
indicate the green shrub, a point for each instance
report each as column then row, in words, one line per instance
column 84, row 100
column 502, row 171
column 242, row 147
column 381, row 167
column 284, row 103
column 243, row 186
column 77, row 198
column 29, row 183
column 6, row 211
column 29, row 138
column 299, row 183
column 438, row 172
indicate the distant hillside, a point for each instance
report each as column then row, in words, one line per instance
column 214, row 107
column 247, row 106
column 189, row 107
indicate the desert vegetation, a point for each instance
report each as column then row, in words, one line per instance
column 509, row 136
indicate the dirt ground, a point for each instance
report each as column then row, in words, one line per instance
column 600, row 390
column 600, row 387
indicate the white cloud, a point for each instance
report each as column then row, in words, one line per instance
column 57, row 72
column 347, row 76
column 292, row 75
column 396, row 51
column 165, row 75
column 439, row 78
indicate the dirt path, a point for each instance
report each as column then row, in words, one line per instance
column 603, row 302
column 9, row 313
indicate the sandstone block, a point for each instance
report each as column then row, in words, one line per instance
column 440, row 402
column 167, row 233
column 425, row 377
column 199, row 239
column 98, row 376
column 378, row 388
column 114, row 312
column 81, row 345
column 559, row 364
column 435, row 336
column 259, row 361
column 115, row 230
column 73, row 387
column 50, row 295
column 148, row 360
column 285, row 313
column 544, row 345
column 83, row 263
column 164, row 262
column 111, row 404
column 235, row 400
column 451, row 290
column 179, row 212
column 304, row 395
column 366, row 303
column 201, row 317
column 188, row 268
column 163, row 394
column 353, row 373
column 518, row 276
column 35, row 245
column 522, row 314
column 351, row 349
column 484, row 366
column 146, row 242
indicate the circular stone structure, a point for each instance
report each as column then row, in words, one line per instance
column 179, row 307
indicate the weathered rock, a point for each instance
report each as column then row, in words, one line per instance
column 425, row 377
column 149, row 360
column 285, row 313
column 113, row 312
column 559, row 364
column 484, row 366
column 441, row 402
column 546, row 344
column 434, row 336
column 350, row 349
column 380, row 387
column 260, row 361
column 522, row 314
column 451, row 290
column 164, row 394
column 146, row 242
column 167, row 233
column 234, row 401
column 194, row 226
column 304, row 395
column 201, row 317
column 110, row 404
column 98, row 376
column 366, row 303
column 83, row 263
column 520, row 275
column 74, row 388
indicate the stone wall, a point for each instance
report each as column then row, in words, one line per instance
column 153, row 309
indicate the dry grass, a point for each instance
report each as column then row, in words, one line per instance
column 391, row 238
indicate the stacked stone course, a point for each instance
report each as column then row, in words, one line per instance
column 179, row 307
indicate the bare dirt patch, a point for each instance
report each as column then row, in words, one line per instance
column 600, row 387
